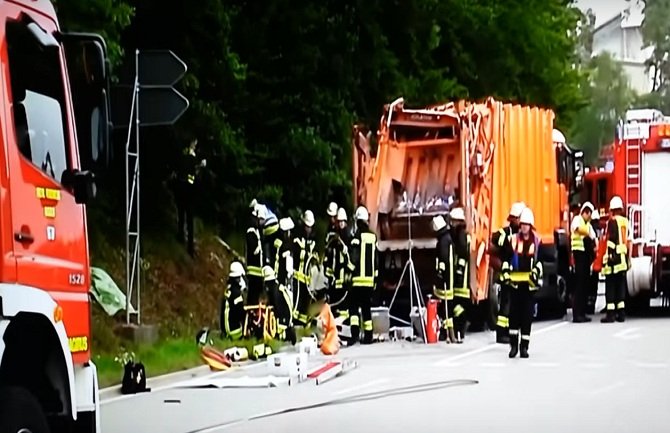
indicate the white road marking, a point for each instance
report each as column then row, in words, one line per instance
column 651, row 364
column 626, row 334
column 361, row 386
column 172, row 385
column 606, row 389
column 492, row 364
column 446, row 362
column 544, row 364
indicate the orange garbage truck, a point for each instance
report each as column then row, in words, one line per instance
column 55, row 129
column 482, row 156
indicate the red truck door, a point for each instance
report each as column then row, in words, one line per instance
column 49, row 228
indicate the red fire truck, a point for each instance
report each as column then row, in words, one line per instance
column 55, row 128
column 641, row 159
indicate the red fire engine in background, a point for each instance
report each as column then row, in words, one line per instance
column 55, row 130
column 640, row 162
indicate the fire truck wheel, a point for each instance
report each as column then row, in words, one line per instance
column 21, row 412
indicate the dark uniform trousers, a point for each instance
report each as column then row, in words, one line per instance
column 364, row 260
column 254, row 256
column 232, row 310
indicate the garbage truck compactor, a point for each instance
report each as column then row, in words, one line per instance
column 482, row 156
column 55, row 130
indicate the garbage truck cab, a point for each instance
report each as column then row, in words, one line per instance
column 54, row 131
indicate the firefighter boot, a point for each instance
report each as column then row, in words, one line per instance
column 524, row 348
column 367, row 337
column 502, row 336
column 442, row 335
column 355, row 332
column 513, row 344
column 620, row 315
column 609, row 317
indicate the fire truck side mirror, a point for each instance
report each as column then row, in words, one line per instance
column 84, row 187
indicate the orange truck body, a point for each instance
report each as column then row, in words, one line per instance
column 484, row 155
column 45, row 317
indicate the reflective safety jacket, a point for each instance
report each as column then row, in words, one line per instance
column 524, row 266
column 283, row 263
column 579, row 231
column 615, row 260
column 233, row 314
column 254, row 252
column 304, row 254
column 460, row 264
column 500, row 247
column 343, row 265
column 364, row 258
column 443, row 288
column 330, row 252
column 271, row 233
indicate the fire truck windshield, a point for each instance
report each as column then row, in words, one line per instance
column 38, row 100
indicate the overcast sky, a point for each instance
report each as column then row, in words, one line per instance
column 604, row 9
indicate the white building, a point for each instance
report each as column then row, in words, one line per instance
column 621, row 36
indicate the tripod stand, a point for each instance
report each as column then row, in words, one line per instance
column 414, row 287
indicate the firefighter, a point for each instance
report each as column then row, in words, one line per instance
column 616, row 262
column 523, row 271
column 443, row 289
column 232, row 305
column 582, row 244
column 282, row 305
column 254, row 257
column 185, row 193
column 499, row 241
column 329, row 255
column 305, row 255
column 364, row 258
column 342, row 268
column 460, row 269
column 595, row 266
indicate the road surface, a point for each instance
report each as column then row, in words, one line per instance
column 579, row 377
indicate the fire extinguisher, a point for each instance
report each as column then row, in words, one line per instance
column 432, row 323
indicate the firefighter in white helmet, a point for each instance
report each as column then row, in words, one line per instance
column 232, row 305
column 582, row 243
column 592, row 293
column 460, row 269
column 340, row 297
column 523, row 271
column 254, row 255
column 364, row 258
column 304, row 252
column 282, row 299
column 443, row 288
column 616, row 262
column 497, row 247
column 329, row 253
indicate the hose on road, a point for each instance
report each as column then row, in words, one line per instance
column 375, row 395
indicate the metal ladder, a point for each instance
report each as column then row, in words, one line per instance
column 634, row 183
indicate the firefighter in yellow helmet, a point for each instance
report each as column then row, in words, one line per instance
column 460, row 270
column 304, row 253
column 616, row 262
column 364, row 258
column 523, row 272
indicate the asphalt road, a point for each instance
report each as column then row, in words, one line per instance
column 579, row 377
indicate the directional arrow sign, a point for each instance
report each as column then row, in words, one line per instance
column 160, row 68
column 158, row 105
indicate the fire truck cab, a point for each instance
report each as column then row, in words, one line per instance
column 54, row 131
column 641, row 162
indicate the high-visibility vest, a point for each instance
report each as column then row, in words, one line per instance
column 461, row 265
column 577, row 239
column 520, row 273
column 442, row 290
column 366, row 269
column 254, row 253
column 305, row 255
column 619, row 248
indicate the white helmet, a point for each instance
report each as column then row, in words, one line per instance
column 557, row 137
column 516, row 209
column 253, row 204
column 616, row 203
column 260, row 211
column 308, row 218
column 332, row 209
column 527, row 217
column 587, row 205
column 457, row 214
column 236, row 269
column 286, row 224
column 341, row 214
column 595, row 215
column 268, row 273
column 438, row 223
column 362, row 214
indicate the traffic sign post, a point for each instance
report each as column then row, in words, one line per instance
column 153, row 102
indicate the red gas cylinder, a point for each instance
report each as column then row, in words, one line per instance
column 432, row 322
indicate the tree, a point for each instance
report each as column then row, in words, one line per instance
column 609, row 96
